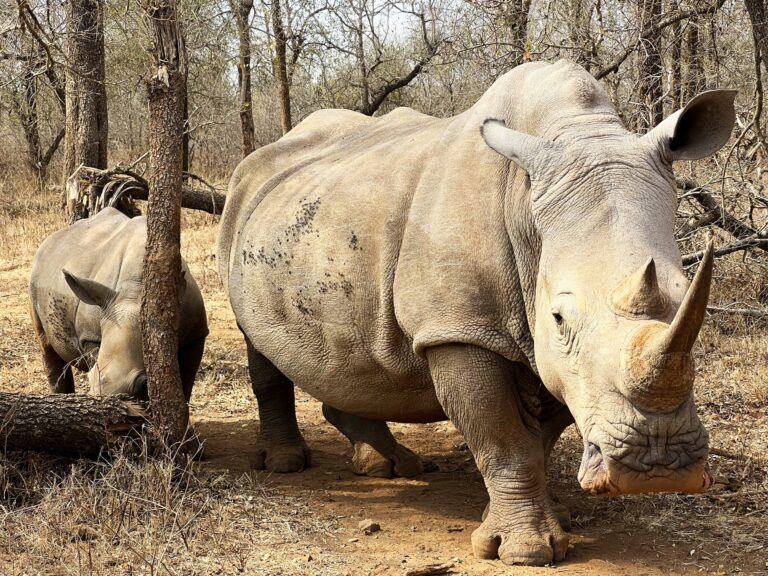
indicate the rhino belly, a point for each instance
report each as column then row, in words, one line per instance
column 311, row 287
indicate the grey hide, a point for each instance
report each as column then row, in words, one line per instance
column 85, row 296
column 512, row 268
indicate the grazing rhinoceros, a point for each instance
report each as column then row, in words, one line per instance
column 402, row 269
column 85, row 288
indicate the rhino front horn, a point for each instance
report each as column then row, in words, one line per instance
column 658, row 365
column 684, row 329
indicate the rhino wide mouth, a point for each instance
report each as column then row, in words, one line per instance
column 647, row 453
column 605, row 478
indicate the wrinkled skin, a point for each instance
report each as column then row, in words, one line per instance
column 407, row 268
column 85, row 292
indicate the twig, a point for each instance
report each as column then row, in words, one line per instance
column 746, row 244
column 751, row 312
column 430, row 569
column 726, row 454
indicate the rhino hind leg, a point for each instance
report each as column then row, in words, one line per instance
column 280, row 445
column 377, row 453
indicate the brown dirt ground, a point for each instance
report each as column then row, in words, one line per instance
column 306, row 523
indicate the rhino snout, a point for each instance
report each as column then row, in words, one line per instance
column 646, row 453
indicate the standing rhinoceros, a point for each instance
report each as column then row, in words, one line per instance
column 85, row 289
column 402, row 269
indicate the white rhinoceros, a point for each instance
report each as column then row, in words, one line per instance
column 85, row 289
column 402, row 269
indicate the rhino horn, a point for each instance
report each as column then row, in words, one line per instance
column 658, row 367
column 639, row 294
column 684, row 329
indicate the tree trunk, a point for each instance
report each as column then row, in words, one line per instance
column 692, row 68
column 757, row 17
column 514, row 18
column 650, row 70
column 162, row 262
column 27, row 108
column 242, row 10
column 578, row 31
column 675, row 76
column 281, row 67
column 66, row 423
column 86, row 97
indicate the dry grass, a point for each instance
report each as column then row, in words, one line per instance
column 126, row 516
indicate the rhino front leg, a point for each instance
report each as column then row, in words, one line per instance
column 480, row 392
column 57, row 370
column 280, row 444
column 377, row 453
column 551, row 429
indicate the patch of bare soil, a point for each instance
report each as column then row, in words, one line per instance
column 128, row 518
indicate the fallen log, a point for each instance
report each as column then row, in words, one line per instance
column 193, row 198
column 67, row 423
column 93, row 189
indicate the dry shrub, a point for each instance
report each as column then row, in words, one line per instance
column 135, row 515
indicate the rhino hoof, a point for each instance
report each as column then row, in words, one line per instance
column 283, row 459
column 369, row 462
column 514, row 546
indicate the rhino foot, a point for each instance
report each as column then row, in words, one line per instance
column 514, row 541
column 283, row 458
column 562, row 514
column 559, row 509
column 368, row 462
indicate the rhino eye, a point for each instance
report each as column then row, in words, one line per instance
column 558, row 318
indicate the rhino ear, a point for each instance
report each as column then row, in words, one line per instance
column 698, row 130
column 532, row 154
column 90, row 291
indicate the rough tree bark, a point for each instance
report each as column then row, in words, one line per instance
column 650, row 70
column 757, row 16
column 514, row 17
column 242, row 10
column 166, row 88
column 280, row 67
column 86, row 97
column 65, row 423
column 580, row 14
column 691, row 61
column 675, row 76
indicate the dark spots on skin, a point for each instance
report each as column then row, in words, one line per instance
column 337, row 283
column 304, row 224
column 354, row 241
column 58, row 327
column 302, row 302
column 281, row 252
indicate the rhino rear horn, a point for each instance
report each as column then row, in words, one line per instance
column 90, row 291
